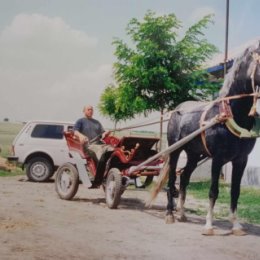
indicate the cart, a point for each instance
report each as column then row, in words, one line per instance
column 115, row 169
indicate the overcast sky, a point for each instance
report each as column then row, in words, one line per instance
column 56, row 55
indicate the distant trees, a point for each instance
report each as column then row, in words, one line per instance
column 6, row 119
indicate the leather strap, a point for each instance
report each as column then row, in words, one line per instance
column 203, row 134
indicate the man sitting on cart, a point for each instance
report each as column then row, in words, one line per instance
column 90, row 133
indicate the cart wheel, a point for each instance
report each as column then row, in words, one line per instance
column 113, row 188
column 67, row 181
column 143, row 181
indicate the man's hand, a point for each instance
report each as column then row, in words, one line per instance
column 105, row 134
column 83, row 139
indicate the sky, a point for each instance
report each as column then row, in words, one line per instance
column 57, row 55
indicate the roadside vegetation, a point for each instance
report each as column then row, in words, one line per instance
column 8, row 131
column 248, row 204
column 15, row 172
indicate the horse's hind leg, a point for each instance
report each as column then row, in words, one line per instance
column 171, row 192
column 237, row 173
column 191, row 164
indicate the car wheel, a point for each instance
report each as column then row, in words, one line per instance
column 39, row 169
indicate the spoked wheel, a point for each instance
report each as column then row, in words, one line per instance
column 113, row 188
column 67, row 181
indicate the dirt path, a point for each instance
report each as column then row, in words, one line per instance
column 36, row 224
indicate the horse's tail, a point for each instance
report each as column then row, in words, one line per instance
column 162, row 178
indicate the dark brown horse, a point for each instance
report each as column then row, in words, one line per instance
column 221, row 142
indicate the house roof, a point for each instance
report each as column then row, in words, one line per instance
column 216, row 65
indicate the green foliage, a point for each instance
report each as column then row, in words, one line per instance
column 14, row 172
column 159, row 71
column 248, row 205
column 8, row 131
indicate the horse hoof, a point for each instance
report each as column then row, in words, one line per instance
column 182, row 218
column 169, row 219
column 239, row 232
column 208, row 232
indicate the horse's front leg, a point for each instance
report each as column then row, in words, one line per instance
column 237, row 172
column 213, row 195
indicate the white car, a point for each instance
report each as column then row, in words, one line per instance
column 41, row 148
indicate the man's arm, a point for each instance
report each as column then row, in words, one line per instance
column 77, row 132
column 82, row 138
column 105, row 134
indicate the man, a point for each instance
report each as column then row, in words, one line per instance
column 90, row 132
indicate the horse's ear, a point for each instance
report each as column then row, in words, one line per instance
column 258, row 44
column 248, row 51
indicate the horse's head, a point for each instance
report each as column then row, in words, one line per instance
column 244, row 77
column 248, row 70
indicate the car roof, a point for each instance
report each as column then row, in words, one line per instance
column 49, row 122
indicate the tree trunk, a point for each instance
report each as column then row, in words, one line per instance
column 161, row 130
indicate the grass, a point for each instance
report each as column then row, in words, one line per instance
column 248, row 205
column 8, row 131
column 15, row 172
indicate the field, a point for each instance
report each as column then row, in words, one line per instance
column 8, row 131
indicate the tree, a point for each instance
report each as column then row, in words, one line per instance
column 108, row 105
column 158, row 72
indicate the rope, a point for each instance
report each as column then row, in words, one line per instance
column 137, row 126
column 176, row 110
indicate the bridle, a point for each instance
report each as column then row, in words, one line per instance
column 225, row 113
column 256, row 58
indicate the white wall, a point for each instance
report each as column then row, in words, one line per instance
column 251, row 175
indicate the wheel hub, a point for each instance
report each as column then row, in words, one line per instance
column 39, row 170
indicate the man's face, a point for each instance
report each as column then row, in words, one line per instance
column 88, row 111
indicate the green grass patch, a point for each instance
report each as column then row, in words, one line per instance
column 8, row 131
column 248, row 204
column 11, row 173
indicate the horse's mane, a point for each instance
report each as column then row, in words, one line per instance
column 232, row 74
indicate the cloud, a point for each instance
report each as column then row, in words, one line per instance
column 46, row 69
column 198, row 13
column 39, row 42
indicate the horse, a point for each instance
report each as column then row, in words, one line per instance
column 236, row 106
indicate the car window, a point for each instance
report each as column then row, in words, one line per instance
column 70, row 128
column 48, row 131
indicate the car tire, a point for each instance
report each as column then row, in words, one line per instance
column 39, row 169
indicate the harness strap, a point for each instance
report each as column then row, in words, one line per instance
column 203, row 133
column 225, row 114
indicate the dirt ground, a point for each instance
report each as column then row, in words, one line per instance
column 36, row 224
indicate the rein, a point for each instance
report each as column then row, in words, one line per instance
column 257, row 95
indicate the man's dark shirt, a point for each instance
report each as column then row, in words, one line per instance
column 89, row 127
